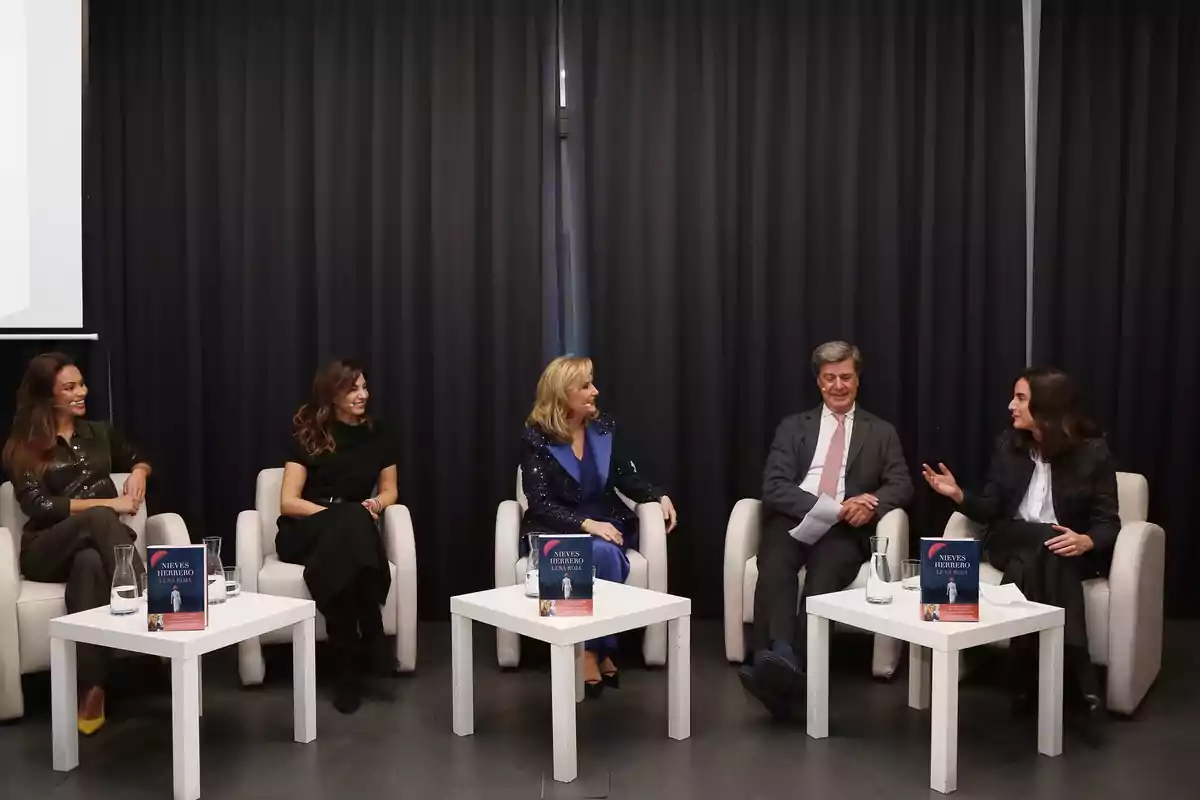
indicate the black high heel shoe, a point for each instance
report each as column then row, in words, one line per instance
column 593, row 689
column 611, row 679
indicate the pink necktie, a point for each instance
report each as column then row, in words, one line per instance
column 833, row 459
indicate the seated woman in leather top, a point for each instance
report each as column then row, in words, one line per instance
column 61, row 466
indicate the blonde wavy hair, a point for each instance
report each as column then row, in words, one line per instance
column 550, row 409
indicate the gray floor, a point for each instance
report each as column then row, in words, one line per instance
column 878, row 748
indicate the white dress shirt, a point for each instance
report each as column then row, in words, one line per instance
column 1038, row 504
column 812, row 481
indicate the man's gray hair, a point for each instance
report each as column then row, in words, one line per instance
column 834, row 353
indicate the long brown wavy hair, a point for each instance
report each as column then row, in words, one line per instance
column 311, row 425
column 34, row 428
column 1057, row 408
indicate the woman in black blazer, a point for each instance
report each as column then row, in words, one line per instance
column 1050, row 507
column 571, row 469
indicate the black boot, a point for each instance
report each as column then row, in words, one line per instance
column 1089, row 702
column 378, row 659
column 1022, row 677
column 341, row 623
column 347, row 691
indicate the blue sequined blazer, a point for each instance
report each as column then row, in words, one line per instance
column 551, row 480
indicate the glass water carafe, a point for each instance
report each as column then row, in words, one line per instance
column 124, row 596
column 216, row 570
column 879, row 577
column 531, row 567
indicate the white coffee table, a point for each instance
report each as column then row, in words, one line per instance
column 617, row 608
column 900, row 619
column 236, row 620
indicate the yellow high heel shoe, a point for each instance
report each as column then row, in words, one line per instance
column 89, row 725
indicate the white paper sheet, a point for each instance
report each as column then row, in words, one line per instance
column 1003, row 595
column 822, row 517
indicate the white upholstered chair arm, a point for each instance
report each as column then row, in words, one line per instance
column 401, row 547
column 508, row 538
column 652, row 544
column 1135, row 610
column 741, row 543
column 961, row 527
column 12, row 702
column 167, row 529
column 249, row 549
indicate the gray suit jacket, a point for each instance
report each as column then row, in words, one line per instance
column 875, row 464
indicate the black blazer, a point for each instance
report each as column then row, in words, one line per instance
column 550, row 478
column 1082, row 480
column 875, row 464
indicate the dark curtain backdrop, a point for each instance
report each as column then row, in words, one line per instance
column 1117, row 233
column 754, row 178
column 272, row 184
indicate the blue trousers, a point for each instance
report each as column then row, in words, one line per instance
column 611, row 565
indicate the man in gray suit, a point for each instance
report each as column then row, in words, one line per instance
column 854, row 457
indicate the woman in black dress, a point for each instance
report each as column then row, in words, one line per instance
column 1050, row 507
column 339, row 476
column 61, row 466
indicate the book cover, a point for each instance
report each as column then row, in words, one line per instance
column 177, row 588
column 949, row 580
column 565, row 575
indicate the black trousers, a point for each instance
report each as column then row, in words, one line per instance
column 1018, row 549
column 345, row 569
column 832, row 563
column 79, row 551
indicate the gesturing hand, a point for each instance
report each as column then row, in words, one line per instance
column 942, row 482
column 1069, row 543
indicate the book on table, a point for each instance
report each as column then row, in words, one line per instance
column 565, row 575
column 177, row 588
column 949, row 580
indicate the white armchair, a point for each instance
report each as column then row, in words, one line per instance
column 1125, row 610
column 262, row 571
column 647, row 569
column 26, row 607
column 741, row 579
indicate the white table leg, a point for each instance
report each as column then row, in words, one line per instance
column 1050, row 691
column 562, row 701
column 943, row 760
column 200, row 686
column 463, row 675
column 679, row 678
column 579, row 693
column 64, row 698
column 185, row 727
column 818, row 677
column 919, row 667
column 304, row 681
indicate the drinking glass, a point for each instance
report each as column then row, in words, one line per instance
column 910, row 574
column 233, row 581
